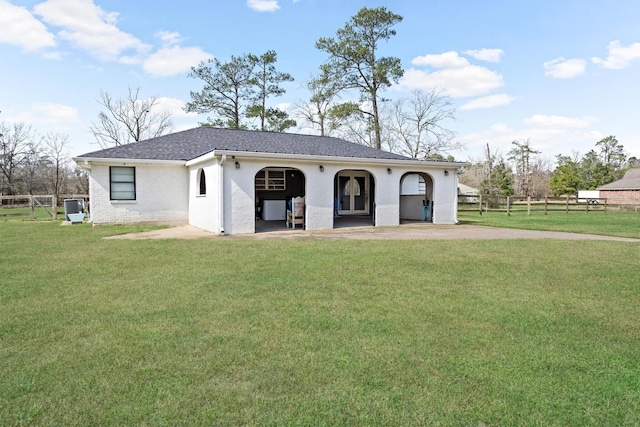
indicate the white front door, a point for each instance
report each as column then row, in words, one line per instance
column 353, row 192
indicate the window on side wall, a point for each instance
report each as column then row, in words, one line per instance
column 202, row 183
column 122, row 183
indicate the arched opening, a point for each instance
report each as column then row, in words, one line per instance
column 276, row 190
column 416, row 197
column 202, row 183
column 354, row 198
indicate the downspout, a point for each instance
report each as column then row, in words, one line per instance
column 455, row 218
column 221, row 195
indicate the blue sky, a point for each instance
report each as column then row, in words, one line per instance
column 562, row 73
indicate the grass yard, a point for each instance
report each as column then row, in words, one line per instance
column 24, row 213
column 315, row 332
column 620, row 224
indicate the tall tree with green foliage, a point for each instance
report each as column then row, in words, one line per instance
column 239, row 89
column 611, row 151
column 354, row 62
column 566, row 180
column 594, row 172
column 598, row 167
column 267, row 83
column 499, row 182
column 228, row 87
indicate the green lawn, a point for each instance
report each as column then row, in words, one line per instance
column 315, row 332
column 621, row 224
column 24, row 213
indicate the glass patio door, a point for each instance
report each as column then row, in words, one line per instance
column 353, row 188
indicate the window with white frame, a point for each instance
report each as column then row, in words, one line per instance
column 122, row 181
column 270, row 179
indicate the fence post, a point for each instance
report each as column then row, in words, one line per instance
column 528, row 205
column 605, row 205
column 32, row 208
column 567, row 208
column 509, row 205
column 54, row 206
column 587, row 205
column 480, row 205
column 546, row 204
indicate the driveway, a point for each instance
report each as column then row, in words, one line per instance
column 413, row 231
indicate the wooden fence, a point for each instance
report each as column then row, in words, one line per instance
column 30, row 204
column 521, row 204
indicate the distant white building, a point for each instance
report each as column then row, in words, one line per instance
column 465, row 190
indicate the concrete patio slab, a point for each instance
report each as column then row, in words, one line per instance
column 412, row 231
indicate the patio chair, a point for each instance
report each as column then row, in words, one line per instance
column 295, row 212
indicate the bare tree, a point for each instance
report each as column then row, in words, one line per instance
column 317, row 111
column 521, row 155
column 418, row 123
column 129, row 119
column 55, row 151
column 78, row 181
column 360, row 128
column 15, row 142
column 541, row 170
column 31, row 171
column 324, row 112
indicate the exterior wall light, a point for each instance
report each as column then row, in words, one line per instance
column 237, row 165
column 321, row 168
column 446, row 173
column 389, row 170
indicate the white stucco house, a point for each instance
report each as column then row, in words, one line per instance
column 228, row 181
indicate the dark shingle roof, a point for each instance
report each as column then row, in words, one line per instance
column 193, row 143
column 630, row 181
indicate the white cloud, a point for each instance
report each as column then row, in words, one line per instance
column 488, row 102
column 172, row 59
column 488, row 55
column 49, row 117
column 455, row 82
column 561, row 68
column 283, row 106
column 549, row 134
column 170, row 38
column 263, row 5
column 619, row 57
column 454, row 75
column 449, row 59
column 558, row 122
column 20, row 28
column 88, row 27
column 173, row 106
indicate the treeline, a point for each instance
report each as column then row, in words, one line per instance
column 31, row 163
column 344, row 97
column 524, row 172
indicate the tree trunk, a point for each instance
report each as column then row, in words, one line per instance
column 376, row 119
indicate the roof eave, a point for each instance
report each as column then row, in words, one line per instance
column 86, row 162
column 326, row 159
